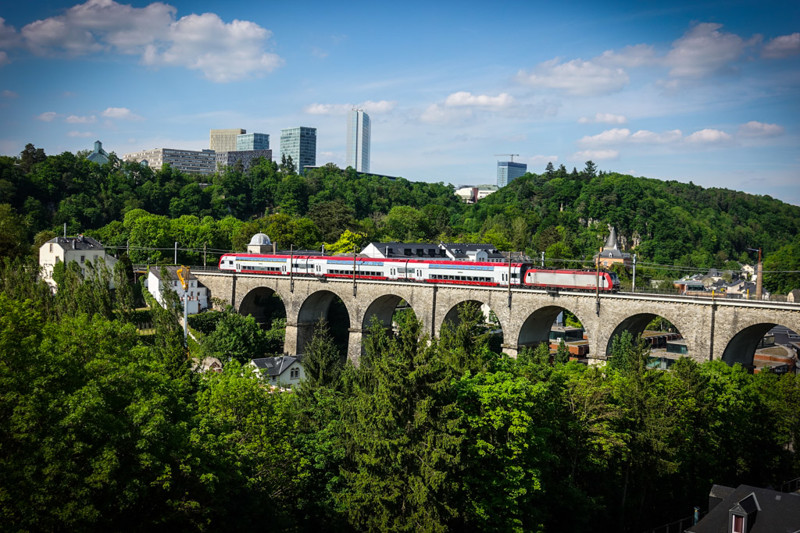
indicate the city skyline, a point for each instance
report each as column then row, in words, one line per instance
column 700, row 92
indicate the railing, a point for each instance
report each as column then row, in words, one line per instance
column 791, row 485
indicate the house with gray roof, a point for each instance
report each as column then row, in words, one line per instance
column 747, row 509
column 81, row 249
column 281, row 371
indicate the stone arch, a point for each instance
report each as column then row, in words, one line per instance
column 742, row 347
column 264, row 304
column 636, row 325
column 323, row 304
column 537, row 326
column 452, row 318
column 382, row 308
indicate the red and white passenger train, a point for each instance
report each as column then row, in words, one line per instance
column 419, row 270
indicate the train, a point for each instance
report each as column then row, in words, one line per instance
column 447, row 272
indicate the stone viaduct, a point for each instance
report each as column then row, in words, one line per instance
column 713, row 329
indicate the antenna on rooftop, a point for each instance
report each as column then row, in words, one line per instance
column 509, row 155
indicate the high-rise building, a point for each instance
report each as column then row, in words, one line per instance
column 190, row 161
column 301, row 145
column 252, row 141
column 508, row 171
column 224, row 140
column 358, row 140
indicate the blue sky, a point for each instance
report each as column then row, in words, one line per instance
column 707, row 92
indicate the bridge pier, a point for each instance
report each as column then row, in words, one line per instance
column 354, row 346
column 511, row 350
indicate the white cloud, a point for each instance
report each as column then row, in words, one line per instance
column 9, row 94
column 9, row 37
column 221, row 51
column 576, row 77
column 382, row 106
column 596, row 154
column 708, row 136
column 122, row 113
column 604, row 118
column 47, row 116
column 4, row 60
column 638, row 55
column 80, row 134
column 704, row 50
column 760, row 129
column 783, row 46
column 437, row 114
column 615, row 135
column 623, row 136
column 98, row 25
column 75, row 119
column 651, row 137
column 327, row 109
column 467, row 99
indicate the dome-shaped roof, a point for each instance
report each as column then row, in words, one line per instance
column 260, row 239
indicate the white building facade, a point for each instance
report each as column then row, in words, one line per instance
column 190, row 161
column 80, row 249
column 197, row 295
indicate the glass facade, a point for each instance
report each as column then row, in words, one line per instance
column 508, row 171
column 252, row 141
column 358, row 139
column 301, row 144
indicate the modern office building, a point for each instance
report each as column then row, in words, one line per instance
column 224, row 140
column 189, row 161
column 252, row 141
column 301, row 145
column 508, row 171
column 246, row 157
column 358, row 135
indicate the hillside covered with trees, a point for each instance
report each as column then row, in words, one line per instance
column 564, row 214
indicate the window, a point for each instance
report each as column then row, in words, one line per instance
column 294, row 373
column 738, row 524
column 83, row 258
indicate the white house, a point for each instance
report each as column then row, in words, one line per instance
column 80, row 249
column 282, row 371
column 197, row 294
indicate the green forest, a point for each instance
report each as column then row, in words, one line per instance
column 106, row 427
column 673, row 227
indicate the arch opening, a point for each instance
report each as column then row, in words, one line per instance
column 267, row 307
column 661, row 336
column 327, row 306
column 764, row 346
column 388, row 310
column 551, row 325
column 486, row 321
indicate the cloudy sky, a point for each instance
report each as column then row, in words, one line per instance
column 697, row 91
